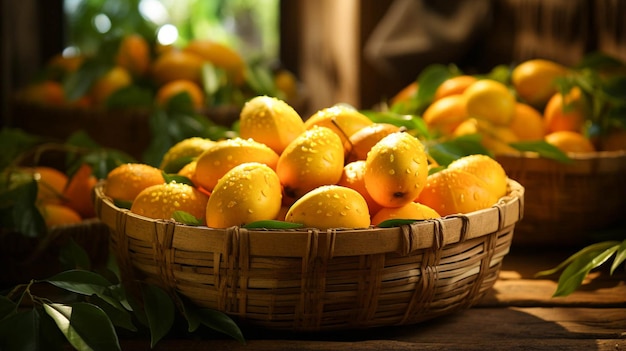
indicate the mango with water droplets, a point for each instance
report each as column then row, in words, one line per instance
column 162, row 200
column 247, row 193
column 313, row 159
column 453, row 191
column 270, row 121
column 225, row 154
column 344, row 120
column 330, row 206
column 396, row 169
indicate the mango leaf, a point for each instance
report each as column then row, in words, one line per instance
column 20, row 331
column 81, row 282
column 601, row 246
column 598, row 61
column 78, row 83
column 620, row 256
column 272, row 224
column 6, row 306
column 19, row 212
column 122, row 204
column 407, row 121
column 169, row 178
column 84, row 325
column 186, row 218
column 396, row 222
column 447, row 151
column 574, row 274
column 544, row 149
column 210, row 79
column 177, row 164
column 130, row 97
column 14, row 142
column 220, row 322
column 260, row 79
column 159, row 310
column 500, row 73
column 428, row 81
column 73, row 255
column 119, row 318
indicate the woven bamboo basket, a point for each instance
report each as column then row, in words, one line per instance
column 567, row 204
column 313, row 280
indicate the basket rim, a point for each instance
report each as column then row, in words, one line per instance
column 405, row 239
column 615, row 154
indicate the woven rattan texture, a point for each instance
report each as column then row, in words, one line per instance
column 566, row 202
column 312, row 280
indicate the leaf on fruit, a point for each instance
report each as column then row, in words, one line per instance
column 272, row 224
column 543, row 148
column 186, row 218
column 447, row 151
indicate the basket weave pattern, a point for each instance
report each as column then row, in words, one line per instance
column 565, row 202
column 312, row 280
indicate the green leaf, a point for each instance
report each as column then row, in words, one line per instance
column 598, row 61
column 123, row 204
column 396, row 222
column 6, row 307
column 620, row 257
column 447, row 151
column 118, row 317
column 220, row 322
column 19, row 212
column 177, row 164
column 428, row 81
column 73, row 255
column 574, row 274
column 79, row 82
column 84, row 325
column 80, row 282
column 131, row 96
column 210, row 79
column 186, row 218
column 14, row 142
column 159, row 310
column 169, row 178
column 20, row 331
column 601, row 246
column 544, row 149
column 272, row 224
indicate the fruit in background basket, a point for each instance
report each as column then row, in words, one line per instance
column 445, row 114
column 527, row 123
column 330, row 206
column 568, row 141
column 62, row 64
column 396, row 170
column 78, row 193
column 160, row 201
column 56, row 214
column 270, row 121
column 565, row 112
column 50, row 183
column 133, row 54
column 453, row 86
column 179, row 86
column 490, row 100
column 225, row 154
column 183, row 152
column 534, row 80
column 485, row 168
column 45, row 93
column 126, row 181
column 175, row 64
column 219, row 55
column 314, row 158
column 353, row 178
column 405, row 94
column 116, row 78
column 412, row 210
column 361, row 142
column 493, row 138
column 286, row 82
column 342, row 119
column 247, row 193
column 452, row 191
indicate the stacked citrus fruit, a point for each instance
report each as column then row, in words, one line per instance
column 528, row 105
column 162, row 72
column 336, row 169
column 61, row 198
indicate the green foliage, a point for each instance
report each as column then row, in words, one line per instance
column 576, row 267
column 444, row 152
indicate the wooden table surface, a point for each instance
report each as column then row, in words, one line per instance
column 518, row 313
